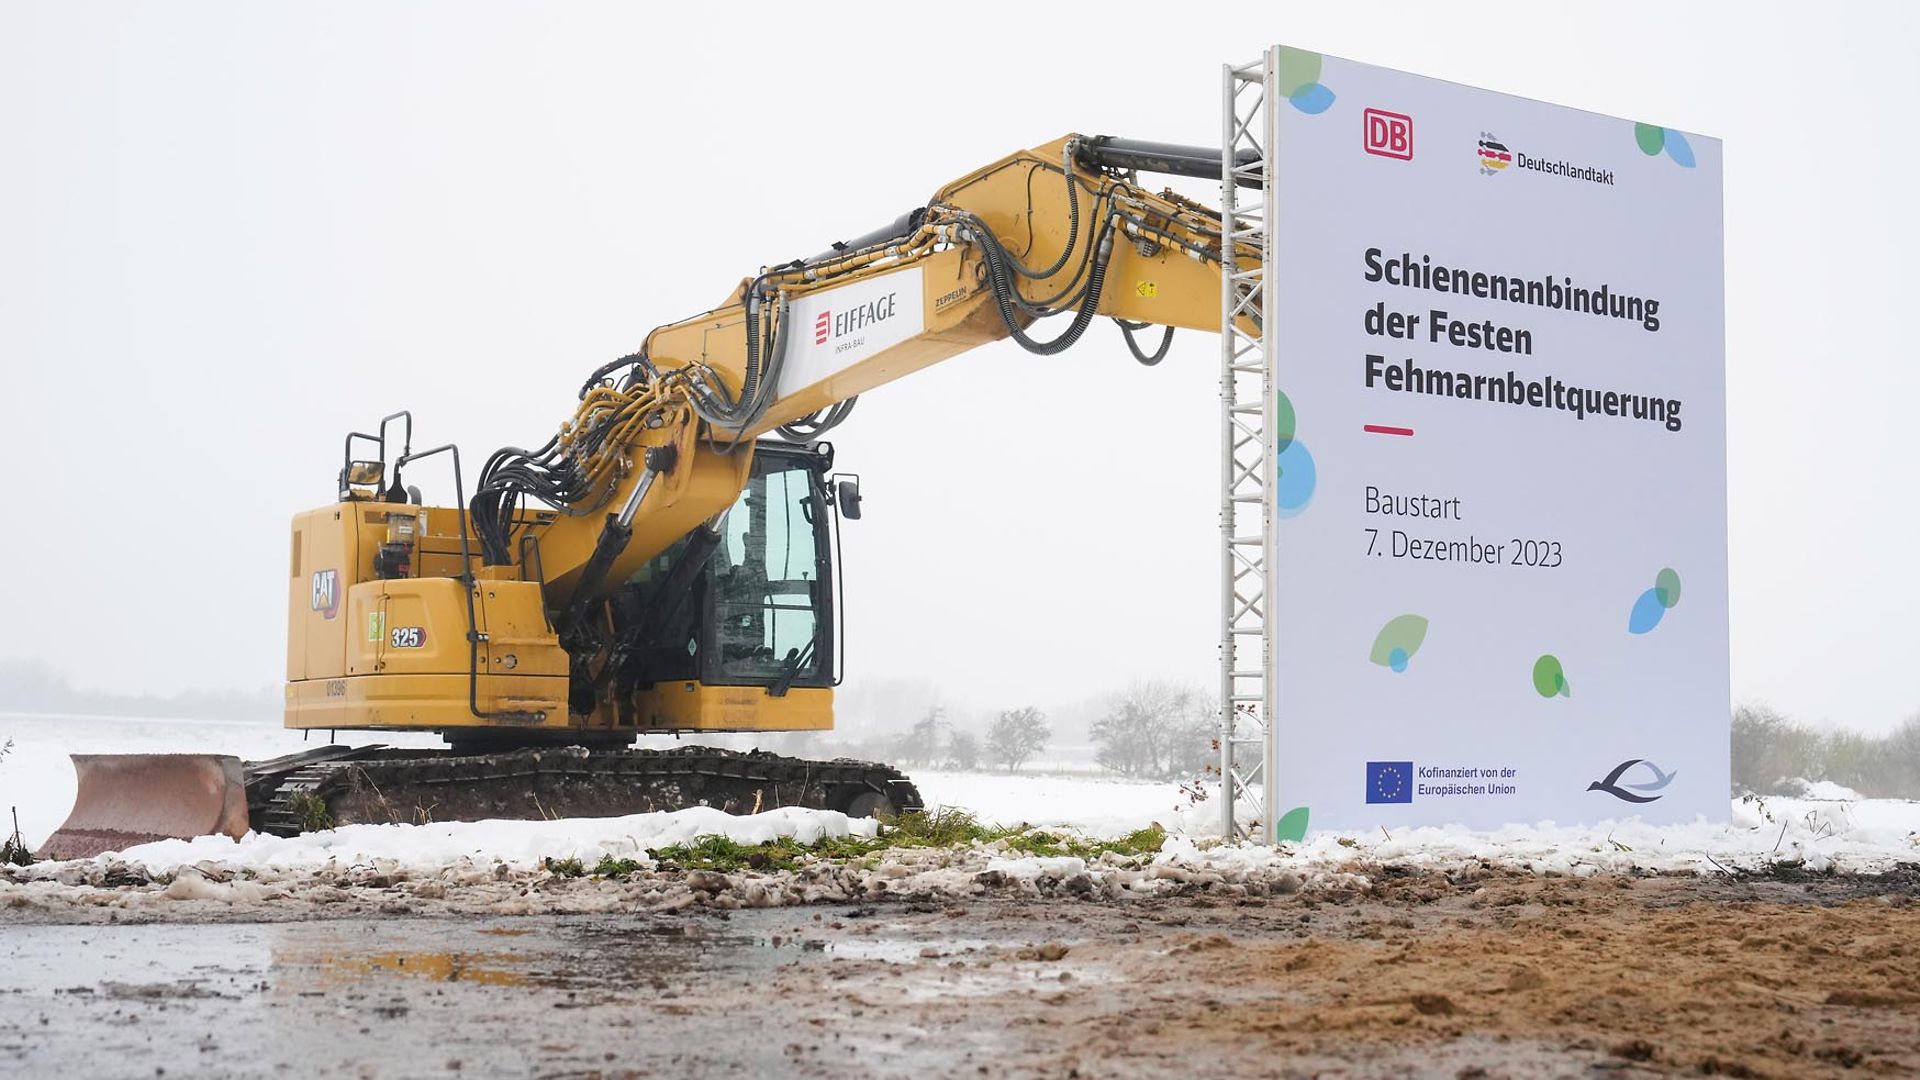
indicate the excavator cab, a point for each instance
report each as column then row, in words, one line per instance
column 760, row 610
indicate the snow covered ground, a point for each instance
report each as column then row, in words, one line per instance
column 1101, row 805
column 1830, row 828
column 519, row 844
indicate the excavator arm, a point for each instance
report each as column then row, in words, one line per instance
column 1060, row 235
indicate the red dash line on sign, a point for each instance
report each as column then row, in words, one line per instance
column 1382, row 429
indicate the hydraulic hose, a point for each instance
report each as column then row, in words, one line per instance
column 1089, row 303
column 806, row 429
column 607, row 369
column 1071, row 292
column 1127, row 330
column 1073, row 226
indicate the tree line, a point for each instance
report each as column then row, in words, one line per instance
column 1150, row 730
column 1013, row 738
column 1772, row 754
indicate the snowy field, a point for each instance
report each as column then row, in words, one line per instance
column 1832, row 828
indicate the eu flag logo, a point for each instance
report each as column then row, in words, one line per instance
column 1389, row 781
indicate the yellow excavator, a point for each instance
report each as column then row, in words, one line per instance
column 666, row 562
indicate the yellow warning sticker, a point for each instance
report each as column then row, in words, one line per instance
column 376, row 624
column 1147, row 289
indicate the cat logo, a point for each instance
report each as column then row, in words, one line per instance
column 326, row 592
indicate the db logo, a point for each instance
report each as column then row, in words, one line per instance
column 1388, row 134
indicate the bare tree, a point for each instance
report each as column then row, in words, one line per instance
column 963, row 751
column 1155, row 730
column 1194, row 748
column 1016, row 735
column 920, row 746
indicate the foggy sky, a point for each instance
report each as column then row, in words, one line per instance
column 229, row 233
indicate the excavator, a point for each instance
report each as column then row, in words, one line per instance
column 666, row 562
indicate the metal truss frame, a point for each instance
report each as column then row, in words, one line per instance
column 1246, row 453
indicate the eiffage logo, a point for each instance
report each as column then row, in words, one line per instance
column 1388, row 134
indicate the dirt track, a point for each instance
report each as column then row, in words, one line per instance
column 1531, row 976
column 1506, row 975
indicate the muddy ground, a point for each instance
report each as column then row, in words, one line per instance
column 1380, row 974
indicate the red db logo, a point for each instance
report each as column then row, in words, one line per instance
column 1388, row 134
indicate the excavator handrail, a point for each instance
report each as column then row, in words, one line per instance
column 467, row 582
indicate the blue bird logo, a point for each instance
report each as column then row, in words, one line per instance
column 1629, row 792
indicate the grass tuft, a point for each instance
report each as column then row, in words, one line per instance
column 312, row 811
column 945, row 827
column 608, row 866
column 1041, row 842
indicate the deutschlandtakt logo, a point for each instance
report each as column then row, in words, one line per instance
column 1494, row 157
column 1632, row 792
column 1389, row 781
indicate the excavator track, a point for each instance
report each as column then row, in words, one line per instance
column 379, row 785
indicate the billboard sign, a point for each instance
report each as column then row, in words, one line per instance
column 1498, row 504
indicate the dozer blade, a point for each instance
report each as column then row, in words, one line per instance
column 128, row 799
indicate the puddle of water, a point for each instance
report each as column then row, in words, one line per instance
column 583, row 954
column 896, row 950
column 410, row 996
column 488, row 969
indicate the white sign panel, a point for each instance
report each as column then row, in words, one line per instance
column 828, row 332
column 1499, row 514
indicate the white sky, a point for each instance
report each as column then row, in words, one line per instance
column 228, row 233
